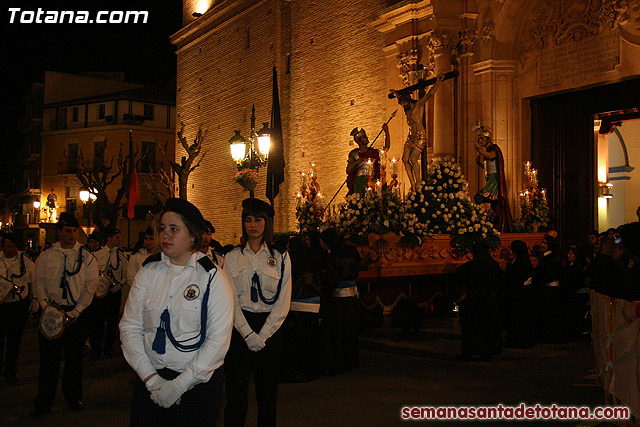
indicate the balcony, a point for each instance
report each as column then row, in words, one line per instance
column 31, row 150
column 25, row 220
column 72, row 167
column 130, row 119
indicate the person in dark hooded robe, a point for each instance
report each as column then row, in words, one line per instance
column 481, row 332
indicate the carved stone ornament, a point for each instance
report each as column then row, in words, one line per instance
column 469, row 38
column 407, row 63
column 556, row 22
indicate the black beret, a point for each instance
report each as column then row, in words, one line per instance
column 112, row 231
column 67, row 220
column 256, row 205
column 12, row 237
column 210, row 228
column 95, row 236
column 148, row 231
column 187, row 210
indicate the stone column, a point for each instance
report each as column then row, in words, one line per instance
column 496, row 109
column 443, row 115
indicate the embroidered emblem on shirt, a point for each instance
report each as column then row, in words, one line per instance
column 271, row 261
column 191, row 292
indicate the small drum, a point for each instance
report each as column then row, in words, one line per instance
column 52, row 322
column 104, row 284
column 5, row 289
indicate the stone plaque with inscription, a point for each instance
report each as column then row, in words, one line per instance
column 575, row 61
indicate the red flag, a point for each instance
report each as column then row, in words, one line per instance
column 132, row 198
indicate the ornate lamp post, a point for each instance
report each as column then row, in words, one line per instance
column 36, row 211
column 244, row 152
column 87, row 197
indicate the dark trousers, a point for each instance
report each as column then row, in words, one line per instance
column 101, row 309
column 50, row 354
column 13, row 318
column 198, row 406
column 301, row 345
column 339, row 329
column 265, row 364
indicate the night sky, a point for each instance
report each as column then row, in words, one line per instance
column 142, row 51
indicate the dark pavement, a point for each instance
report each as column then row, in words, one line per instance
column 396, row 369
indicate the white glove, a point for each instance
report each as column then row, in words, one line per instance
column 34, row 307
column 155, row 383
column 168, row 394
column 255, row 342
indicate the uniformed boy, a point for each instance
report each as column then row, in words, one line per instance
column 66, row 275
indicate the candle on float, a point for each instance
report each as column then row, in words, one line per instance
column 369, row 193
column 534, row 177
column 544, row 195
column 313, row 169
column 304, row 180
column 378, row 187
column 298, row 200
column 369, row 168
column 394, row 167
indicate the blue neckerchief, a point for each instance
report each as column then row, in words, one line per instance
column 256, row 289
column 64, row 284
column 164, row 330
column 110, row 268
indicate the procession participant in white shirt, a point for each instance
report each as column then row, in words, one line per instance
column 17, row 268
column 135, row 262
column 66, row 275
column 206, row 248
column 97, row 305
column 177, row 326
column 261, row 278
column 93, row 241
column 112, row 261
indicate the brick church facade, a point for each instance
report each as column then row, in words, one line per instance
column 337, row 60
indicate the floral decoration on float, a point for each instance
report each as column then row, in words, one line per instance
column 441, row 202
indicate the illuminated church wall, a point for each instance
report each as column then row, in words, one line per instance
column 336, row 62
column 332, row 81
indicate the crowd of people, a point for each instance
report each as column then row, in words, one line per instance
column 196, row 314
column 549, row 302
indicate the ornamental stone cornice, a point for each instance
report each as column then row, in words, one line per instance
column 405, row 13
column 494, row 66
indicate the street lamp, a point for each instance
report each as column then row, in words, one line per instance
column 87, row 196
column 244, row 152
column 36, row 210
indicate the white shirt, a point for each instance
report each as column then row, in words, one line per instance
column 135, row 264
column 240, row 266
column 217, row 259
column 50, row 267
column 11, row 267
column 113, row 262
column 160, row 285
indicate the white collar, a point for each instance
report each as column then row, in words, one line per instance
column 192, row 262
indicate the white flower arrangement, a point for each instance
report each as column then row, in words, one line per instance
column 435, row 209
